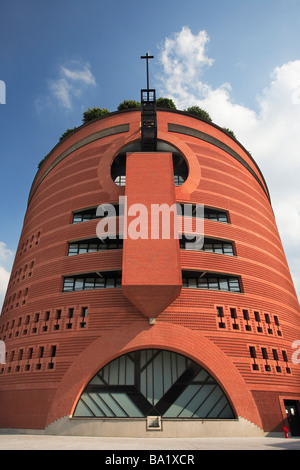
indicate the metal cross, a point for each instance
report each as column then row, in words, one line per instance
column 147, row 57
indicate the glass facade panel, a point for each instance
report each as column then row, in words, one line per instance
column 224, row 284
column 153, row 382
column 78, row 284
column 83, row 410
column 69, row 284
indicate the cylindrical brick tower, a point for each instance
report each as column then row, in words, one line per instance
column 135, row 336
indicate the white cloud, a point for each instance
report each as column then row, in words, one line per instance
column 270, row 133
column 69, row 85
column 62, row 90
column 5, row 253
column 4, row 278
column 82, row 75
column 6, row 258
column 184, row 60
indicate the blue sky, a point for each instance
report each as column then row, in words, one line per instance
column 238, row 59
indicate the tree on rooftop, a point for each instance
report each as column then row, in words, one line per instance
column 128, row 104
column 196, row 111
column 165, row 103
column 94, row 113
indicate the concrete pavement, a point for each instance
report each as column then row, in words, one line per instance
column 45, row 442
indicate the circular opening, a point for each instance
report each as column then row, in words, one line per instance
column 118, row 168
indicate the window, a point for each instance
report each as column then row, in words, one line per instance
column 89, row 214
column 210, row 281
column 58, row 314
column 103, row 280
column 247, row 318
column 275, row 354
column 252, row 351
column 220, row 314
column 209, row 246
column 233, row 315
column 178, row 180
column 216, row 215
column 284, row 356
column 84, row 311
column 257, row 318
column 118, row 168
column 52, row 355
column 71, row 312
column 267, row 318
column 264, row 353
column 83, row 216
column 265, row 356
column 93, row 245
column 153, row 382
column 120, row 180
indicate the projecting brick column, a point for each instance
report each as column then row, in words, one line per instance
column 151, row 261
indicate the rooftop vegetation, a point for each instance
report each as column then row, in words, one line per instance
column 161, row 103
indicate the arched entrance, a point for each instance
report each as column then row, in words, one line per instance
column 162, row 336
column 153, row 382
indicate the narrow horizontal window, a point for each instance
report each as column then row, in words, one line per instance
column 89, row 214
column 93, row 245
column 103, row 280
column 210, row 281
column 217, row 215
column 209, row 246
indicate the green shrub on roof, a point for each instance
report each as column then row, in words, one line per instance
column 94, row 113
column 229, row 131
column 196, row 111
column 66, row 133
column 166, row 103
column 128, row 104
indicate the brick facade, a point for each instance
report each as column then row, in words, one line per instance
column 56, row 341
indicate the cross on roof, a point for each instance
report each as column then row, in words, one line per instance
column 147, row 57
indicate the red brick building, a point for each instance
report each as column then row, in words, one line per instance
column 131, row 336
